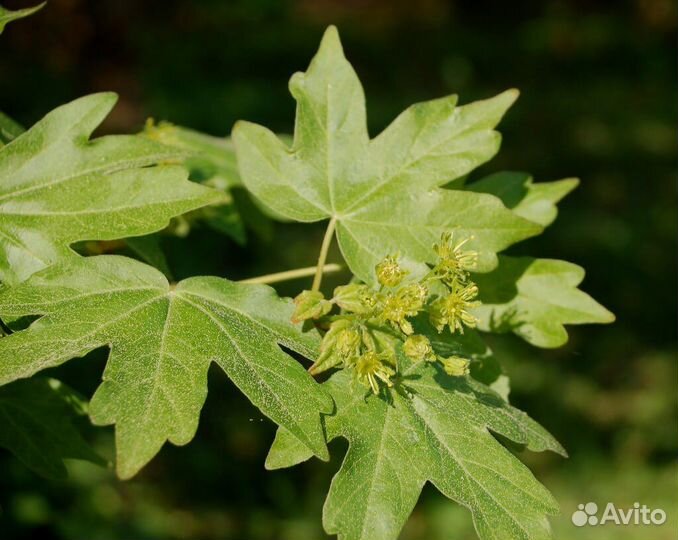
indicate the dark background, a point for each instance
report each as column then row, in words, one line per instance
column 598, row 101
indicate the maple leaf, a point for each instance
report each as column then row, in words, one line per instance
column 212, row 162
column 38, row 424
column 57, row 187
column 533, row 201
column 163, row 339
column 433, row 428
column 383, row 194
column 535, row 298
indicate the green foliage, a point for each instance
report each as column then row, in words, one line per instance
column 435, row 429
column 163, row 339
column 39, row 420
column 57, row 187
column 535, row 298
column 210, row 161
column 536, row 202
column 7, row 16
column 420, row 242
column 383, row 193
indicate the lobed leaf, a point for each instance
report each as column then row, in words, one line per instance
column 536, row 202
column 434, row 429
column 163, row 339
column 57, row 187
column 535, row 298
column 384, row 193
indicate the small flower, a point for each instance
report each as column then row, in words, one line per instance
column 348, row 343
column 453, row 263
column 453, row 310
column 371, row 368
column 418, row 348
column 406, row 302
column 455, row 366
column 413, row 297
column 335, row 347
column 355, row 298
column 310, row 305
column 389, row 272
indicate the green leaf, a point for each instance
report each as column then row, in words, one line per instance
column 212, row 162
column 383, row 193
column 148, row 249
column 163, row 339
column 9, row 129
column 38, row 424
column 435, row 429
column 57, row 187
column 208, row 158
column 536, row 202
column 535, row 298
column 7, row 16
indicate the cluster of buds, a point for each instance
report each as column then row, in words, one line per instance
column 374, row 324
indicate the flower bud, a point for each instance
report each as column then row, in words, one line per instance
column 389, row 272
column 455, row 366
column 310, row 305
column 418, row 348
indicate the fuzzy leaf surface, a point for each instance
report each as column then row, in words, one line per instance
column 535, row 299
column 38, row 424
column 58, row 187
column 384, row 193
column 438, row 430
column 163, row 340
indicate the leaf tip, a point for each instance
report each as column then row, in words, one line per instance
column 512, row 94
column 330, row 37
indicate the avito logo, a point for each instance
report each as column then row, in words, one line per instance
column 587, row 514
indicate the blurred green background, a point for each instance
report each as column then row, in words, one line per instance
column 598, row 101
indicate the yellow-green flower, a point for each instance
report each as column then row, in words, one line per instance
column 418, row 348
column 406, row 302
column 371, row 368
column 348, row 343
column 453, row 310
column 389, row 272
column 453, row 262
column 455, row 366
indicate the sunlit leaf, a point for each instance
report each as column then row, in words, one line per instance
column 163, row 339
column 383, row 193
column 437, row 429
column 535, row 298
column 57, row 187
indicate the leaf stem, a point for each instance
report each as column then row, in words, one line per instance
column 293, row 274
column 324, row 248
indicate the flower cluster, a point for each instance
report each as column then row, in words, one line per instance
column 375, row 324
